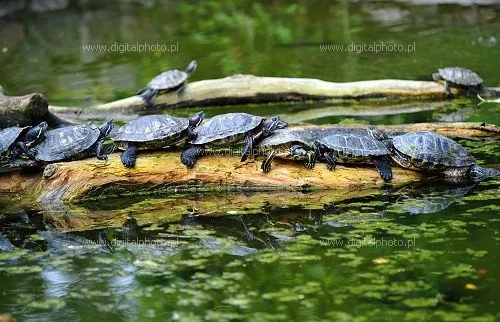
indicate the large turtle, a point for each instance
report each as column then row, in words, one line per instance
column 459, row 77
column 154, row 132
column 354, row 148
column 294, row 144
column 74, row 142
column 171, row 80
column 230, row 129
column 431, row 152
column 17, row 140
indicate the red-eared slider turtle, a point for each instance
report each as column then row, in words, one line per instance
column 288, row 144
column 228, row 130
column 431, row 152
column 74, row 142
column 459, row 77
column 17, row 140
column 354, row 148
column 171, row 80
column 154, row 132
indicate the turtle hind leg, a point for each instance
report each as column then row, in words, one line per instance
column 384, row 167
column 129, row 156
column 190, row 155
column 266, row 164
column 147, row 95
column 247, row 150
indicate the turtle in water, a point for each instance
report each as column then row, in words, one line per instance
column 459, row 77
column 74, row 142
column 154, row 132
column 14, row 141
column 287, row 144
column 228, row 130
column 431, row 152
column 171, row 80
column 354, row 148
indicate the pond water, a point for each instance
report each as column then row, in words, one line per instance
column 424, row 251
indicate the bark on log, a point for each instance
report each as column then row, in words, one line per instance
column 245, row 89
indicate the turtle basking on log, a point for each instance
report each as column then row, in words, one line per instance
column 459, row 77
column 228, row 130
column 434, row 153
column 354, row 148
column 171, row 80
column 288, row 144
column 154, row 132
column 14, row 141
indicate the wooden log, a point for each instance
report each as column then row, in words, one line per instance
column 246, row 89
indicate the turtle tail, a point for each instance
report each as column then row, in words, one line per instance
column 478, row 173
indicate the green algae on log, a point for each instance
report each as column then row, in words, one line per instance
column 162, row 172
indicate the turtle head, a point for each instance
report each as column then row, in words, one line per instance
column 191, row 67
column 478, row 173
column 196, row 119
column 105, row 128
column 36, row 133
column 436, row 77
column 273, row 124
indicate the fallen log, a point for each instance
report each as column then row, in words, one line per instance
column 248, row 89
column 162, row 172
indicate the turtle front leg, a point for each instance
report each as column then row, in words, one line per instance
column 248, row 149
column 310, row 161
column 190, row 155
column 129, row 156
column 148, row 95
column 266, row 164
column 447, row 88
column 331, row 160
column 384, row 167
column 21, row 147
column 100, row 153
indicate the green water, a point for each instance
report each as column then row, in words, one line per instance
column 398, row 253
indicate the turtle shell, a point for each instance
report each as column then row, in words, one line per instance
column 151, row 128
column 285, row 136
column 9, row 135
column 433, row 149
column 460, row 76
column 225, row 125
column 168, row 80
column 354, row 145
column 67, row 142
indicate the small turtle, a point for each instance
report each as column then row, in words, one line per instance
column 459, row 77
column 228, row 130
column 14, row 141
column 74, row 142
column 354, row 148
column 154, row 132
column 288, row 144
column 171, row 80
column 431, row 152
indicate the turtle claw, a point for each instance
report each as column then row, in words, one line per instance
column 309, row 166
column 330, row 167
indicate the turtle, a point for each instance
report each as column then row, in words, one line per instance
column 284, row 143
column 354, row 148
column 74, row 142
column 230, row 129
column 171, row 80
column 14, row 141
column 459, row 77
column 432, row 152
column 154, row 132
